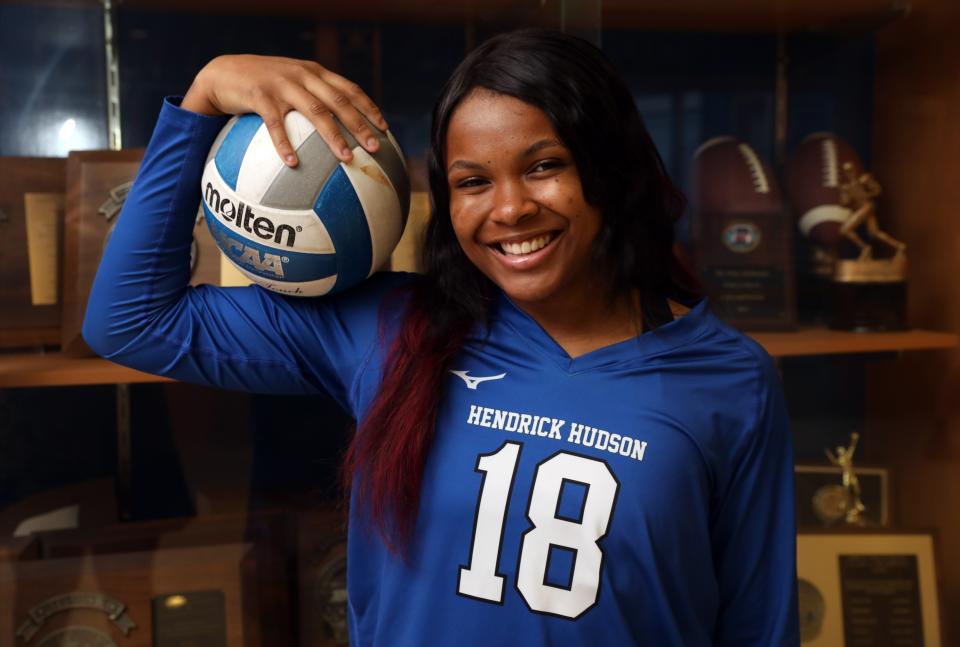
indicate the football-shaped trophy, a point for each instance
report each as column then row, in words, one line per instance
column 813, row 176
column 834, row 199
column 742, row 235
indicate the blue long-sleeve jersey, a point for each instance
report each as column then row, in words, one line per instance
column 640, row 494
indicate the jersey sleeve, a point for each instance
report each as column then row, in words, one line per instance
column 142, row 313
column 754, row 533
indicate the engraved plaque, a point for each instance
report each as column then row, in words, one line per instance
column 44, row 595
column 745, row 264
column 190, row 619
column 881, row 601
column 743, row 236
column 23, row 323
column 875, row 588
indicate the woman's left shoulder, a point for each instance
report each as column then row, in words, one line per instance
column 718, row 343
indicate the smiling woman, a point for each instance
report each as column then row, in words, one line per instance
column 518, row 209
column 545, row 454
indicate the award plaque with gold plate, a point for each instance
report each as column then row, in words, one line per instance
column 107, row 599
column 859, row 584
column 868, row 587
column 212, row 580
column 743, row 237
column 28, row 322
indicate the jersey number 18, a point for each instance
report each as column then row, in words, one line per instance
column 480, row 579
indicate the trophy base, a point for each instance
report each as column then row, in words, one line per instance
column 857, row 521
column 869, row 295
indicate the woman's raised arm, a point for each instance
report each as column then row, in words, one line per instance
column 141, row 311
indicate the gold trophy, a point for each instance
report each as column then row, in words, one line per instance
column 842, row 501
column 869, row 292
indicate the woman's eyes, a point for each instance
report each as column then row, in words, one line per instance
column 542, row 166
column 546, row 165
column 470, row 182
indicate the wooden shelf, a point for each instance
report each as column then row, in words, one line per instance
column 55, row 369
column 821, row 341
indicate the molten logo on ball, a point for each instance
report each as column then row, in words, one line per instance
column 243, row 217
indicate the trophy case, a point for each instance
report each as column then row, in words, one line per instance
column 137, row 511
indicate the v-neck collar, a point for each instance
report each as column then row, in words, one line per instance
column 675, row 333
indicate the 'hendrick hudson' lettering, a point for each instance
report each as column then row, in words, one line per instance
column 550, row 427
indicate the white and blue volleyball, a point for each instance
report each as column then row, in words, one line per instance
column 318, row 228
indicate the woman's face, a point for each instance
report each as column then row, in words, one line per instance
column 517, row 204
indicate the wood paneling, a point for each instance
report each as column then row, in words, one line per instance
column 914, row 404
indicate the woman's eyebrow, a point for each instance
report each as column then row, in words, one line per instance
column 540, row 145
column 530, row 150
column 464, row 164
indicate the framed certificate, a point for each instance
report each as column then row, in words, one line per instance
column 868, row 588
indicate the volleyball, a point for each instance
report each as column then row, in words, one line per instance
column 315, row 229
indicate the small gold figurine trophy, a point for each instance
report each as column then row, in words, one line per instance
column 869, row 293
column 850, row 502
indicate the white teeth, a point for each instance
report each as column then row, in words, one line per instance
column 526, row 246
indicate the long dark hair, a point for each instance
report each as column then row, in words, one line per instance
column 595, row 116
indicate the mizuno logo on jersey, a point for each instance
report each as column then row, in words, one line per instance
column 472, row 382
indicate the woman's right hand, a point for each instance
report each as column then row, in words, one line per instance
column 272, row 86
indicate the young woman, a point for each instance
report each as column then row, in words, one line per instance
column 551, row 450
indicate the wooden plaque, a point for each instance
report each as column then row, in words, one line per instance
column 23, row 324
column 91, row 176
column 113, row 595
column 746, row 264
column 868, row 588
column 237, row 557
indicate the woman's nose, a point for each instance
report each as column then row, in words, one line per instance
column 513, row 203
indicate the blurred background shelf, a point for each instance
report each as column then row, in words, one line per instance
column 56, row 369
column 822, row 341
